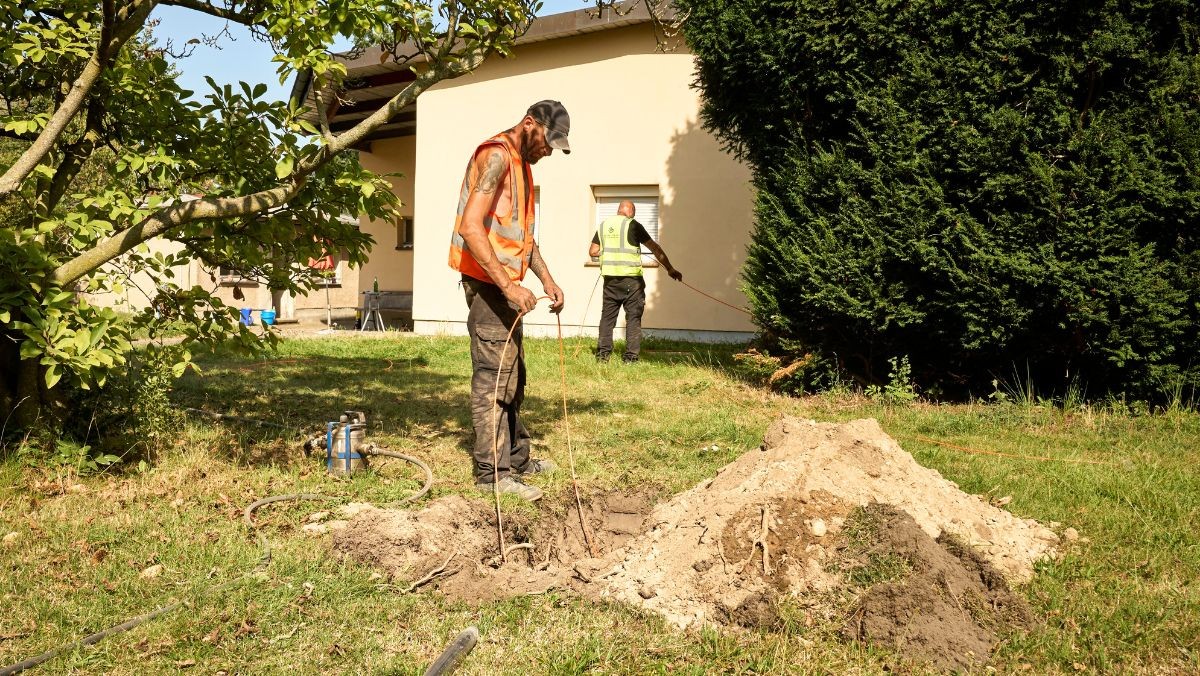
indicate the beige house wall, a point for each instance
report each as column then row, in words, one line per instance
column 340, row 302
column 139, row 288
column 393, row 266
column 634, row 122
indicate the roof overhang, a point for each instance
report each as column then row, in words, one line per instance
column 369, row 83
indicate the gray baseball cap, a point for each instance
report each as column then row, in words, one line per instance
column 554, row 117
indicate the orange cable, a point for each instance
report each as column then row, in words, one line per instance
column 728, row 305
column 562, row 368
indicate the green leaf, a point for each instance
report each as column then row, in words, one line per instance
column 283, row 168
column 52, row 376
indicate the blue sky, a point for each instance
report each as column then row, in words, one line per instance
column 238, row 56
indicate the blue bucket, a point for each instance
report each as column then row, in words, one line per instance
column 267, row 316
column 246, row 316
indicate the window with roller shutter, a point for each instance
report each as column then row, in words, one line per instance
column 645, row 204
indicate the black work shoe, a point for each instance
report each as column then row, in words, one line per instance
column 510, row 485
column 537, row 467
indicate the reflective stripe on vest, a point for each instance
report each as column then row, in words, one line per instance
column 510, row 234
column 617, row 257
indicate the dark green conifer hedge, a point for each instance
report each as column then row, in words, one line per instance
column 978, row 186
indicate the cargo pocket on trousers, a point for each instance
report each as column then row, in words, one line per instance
column 489, row 345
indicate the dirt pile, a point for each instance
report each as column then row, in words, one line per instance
column 820, row 512
column 701, row 561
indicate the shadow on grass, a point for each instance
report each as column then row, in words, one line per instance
column 296, row 396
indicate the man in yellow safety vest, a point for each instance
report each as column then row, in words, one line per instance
column 618, row 243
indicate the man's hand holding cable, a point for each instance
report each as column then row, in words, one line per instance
column 539, row 268
column 557, row 299
column 522, row 298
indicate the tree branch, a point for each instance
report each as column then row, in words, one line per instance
column 169, row 217
column 322, row 112
column 11, row 180
column 243, row 18
column 174, row 215
column 75, row 156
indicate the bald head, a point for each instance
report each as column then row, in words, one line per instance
column 626, row 209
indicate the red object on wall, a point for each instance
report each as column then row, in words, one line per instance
column 322, row 263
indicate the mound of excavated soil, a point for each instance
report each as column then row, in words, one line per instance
column 770, row 525
column 455, row 538
column 691, row 566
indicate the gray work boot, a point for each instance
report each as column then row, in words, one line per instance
column 511, row 485
column 538, row 467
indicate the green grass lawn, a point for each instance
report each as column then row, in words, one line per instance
column 1125, row 599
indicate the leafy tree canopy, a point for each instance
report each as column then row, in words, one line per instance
column 101, row 151
column 975, row 186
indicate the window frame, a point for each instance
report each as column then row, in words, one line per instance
column 628, row 191
column 230, row 277
column 404, row 233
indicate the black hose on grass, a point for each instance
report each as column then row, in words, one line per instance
column 265, row 559
column 248, row 514
column 130, row 623
column 455, row 653
column 369, row 449
column 372, row 449
column 94, row 638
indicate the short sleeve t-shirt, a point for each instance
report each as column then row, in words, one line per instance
column 636, row 235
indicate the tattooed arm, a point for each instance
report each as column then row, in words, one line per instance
column 492, row 169
column 538, row 265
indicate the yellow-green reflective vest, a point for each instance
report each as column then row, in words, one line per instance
column 617, row 257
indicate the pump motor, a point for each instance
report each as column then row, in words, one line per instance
column 344, row 440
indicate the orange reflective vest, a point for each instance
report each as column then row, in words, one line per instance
column 511, row 233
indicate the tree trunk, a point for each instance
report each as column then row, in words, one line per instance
column 8, row 376
column 24, row 399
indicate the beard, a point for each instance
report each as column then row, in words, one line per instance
column 529, row 150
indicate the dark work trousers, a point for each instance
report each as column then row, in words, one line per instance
column 630, row 293
column 496, row 414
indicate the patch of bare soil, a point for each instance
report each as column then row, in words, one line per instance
column 943, row 604
column 780, row 523
column 455, row 538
